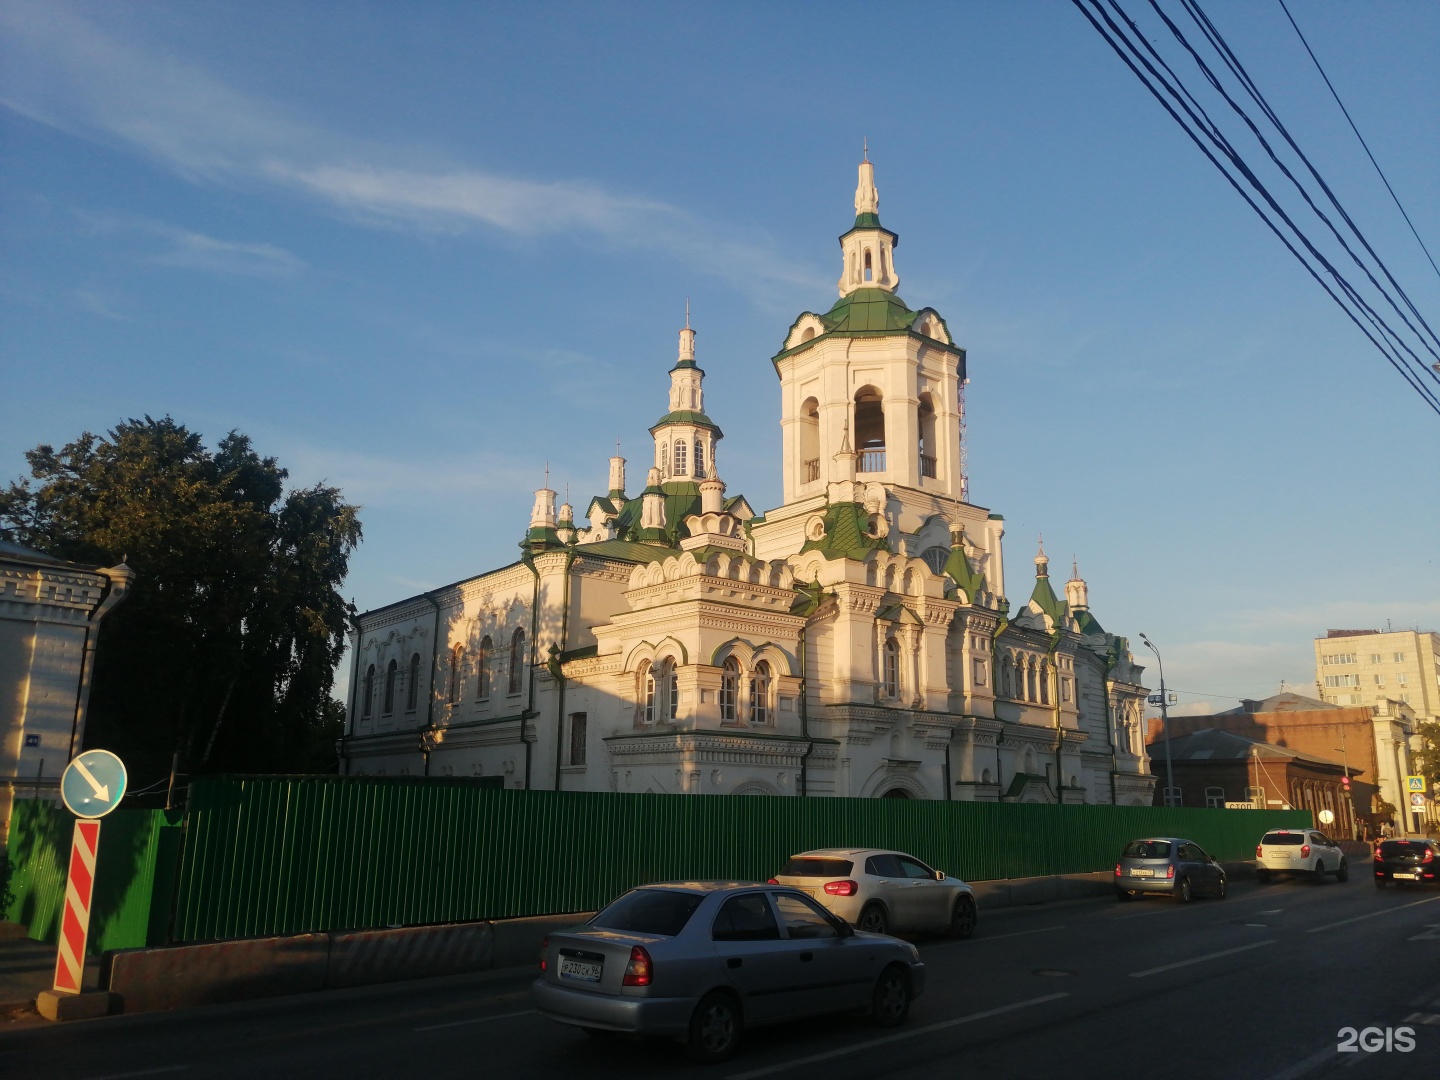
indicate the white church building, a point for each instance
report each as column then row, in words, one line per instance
column 858, row 640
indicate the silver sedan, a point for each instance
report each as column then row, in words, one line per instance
column 884, row 892
column 698, row 961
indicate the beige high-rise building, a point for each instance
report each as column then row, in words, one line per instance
column 1367, row 667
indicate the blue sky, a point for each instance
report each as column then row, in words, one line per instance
column 421, row 249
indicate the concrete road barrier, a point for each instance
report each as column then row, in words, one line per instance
column 144, row 980
column 360, row 957
column 517, row 941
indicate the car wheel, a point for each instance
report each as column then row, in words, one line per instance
column 962, row 918
column 1183, row 892
column 1343, row 874
column 714, row 1028
column 873, row 920
column 890, row 1003
column 1318, row 874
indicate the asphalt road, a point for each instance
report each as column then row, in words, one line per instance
column 1257, row 985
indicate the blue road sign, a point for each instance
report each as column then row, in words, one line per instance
column 93, row 784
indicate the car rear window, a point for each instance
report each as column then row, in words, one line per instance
column 1402, row 847
column 660, row 912
column 809, row 867
column 1146, row 849
column 1280, row 839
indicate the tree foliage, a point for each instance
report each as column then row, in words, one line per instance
column 225, row 650
column 1426, row 759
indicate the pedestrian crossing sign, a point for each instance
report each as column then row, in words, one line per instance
column 1415, row 783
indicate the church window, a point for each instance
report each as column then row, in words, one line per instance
column 891, row 671
column 367, row 702
column 1031, row 694
column 412, row 684
column 729, row 689
column 869, row 271
column 681, row 466
column 482, row 668
column 457, row 659
column 810, row 441
column 979, row 673
column 1004, row 688
column 760, row 694
column 1044, row 683
column 391, row 672
column 936, row 558
column 647, row 689
column 869, row 430
column 699, row 460
column 666, row 695
column 928, row 450
column 517, row 659
column 578, row 724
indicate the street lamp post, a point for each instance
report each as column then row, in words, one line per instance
column 1164, row 720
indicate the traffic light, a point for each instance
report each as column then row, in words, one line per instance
column 1345, row 780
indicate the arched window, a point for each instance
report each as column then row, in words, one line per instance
column 760, row 694
column 1031, row 694
column 647, row 692
column 457, row 659
column 367, row 703
column 929, row 454
column 869, row 270
column 891, row 674
column 681, row 467
column 483, row 661
column 412, row 684
column 391, row 672
column 1004, row 687
column 729, row 689
column 1044, row 683
column 809, row 441
column 517, row 660
column 869, row 429
column 936, row 558
column 663, row 703
column 699, row 460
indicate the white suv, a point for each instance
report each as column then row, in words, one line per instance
column 1299, row 851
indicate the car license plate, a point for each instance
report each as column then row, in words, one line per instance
column 1279, row 855
column 1407, row 877
column 1142, row 873
column 579, row 969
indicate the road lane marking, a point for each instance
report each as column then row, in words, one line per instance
column 1200, row 959
column 992, row 937
column 1372, row 915
column 887, row 1039
column 476, row 1020
column 142, row 1072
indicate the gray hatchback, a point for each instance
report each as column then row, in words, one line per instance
column 699, row 960
column 1169, row 865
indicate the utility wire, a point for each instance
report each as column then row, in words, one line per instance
column 1125, row 49
column 1360, row 137
column 1237, row 69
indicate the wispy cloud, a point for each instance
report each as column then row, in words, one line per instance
column 196, row 251
column 68, row 72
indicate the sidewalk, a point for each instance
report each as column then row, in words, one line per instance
column 26, row 968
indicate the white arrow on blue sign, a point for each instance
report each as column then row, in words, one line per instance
column 93, row 784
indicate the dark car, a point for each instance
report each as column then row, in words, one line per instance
column 1415, row 861
column 1168, row 865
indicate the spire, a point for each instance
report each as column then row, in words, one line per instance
column 1076, row 592
column 867, row 197
column 1042, row 561
column 542, row 534
column 687, row 342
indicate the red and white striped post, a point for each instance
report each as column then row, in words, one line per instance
column 75, row 923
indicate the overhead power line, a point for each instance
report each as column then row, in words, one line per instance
column 1353, row 128
column 1138, row 53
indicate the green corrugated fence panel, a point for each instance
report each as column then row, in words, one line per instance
column 134, row 873
column 268, row 855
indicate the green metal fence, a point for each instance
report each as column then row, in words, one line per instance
column 287, row 855
column 134, row 874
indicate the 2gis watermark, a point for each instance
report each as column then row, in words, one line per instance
column 1374, row 1040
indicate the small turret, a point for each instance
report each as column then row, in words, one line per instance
column 868, row 247
column 617, row 481
column 542, row 534
column 1077, row 594
column 652, row 510
column 565, row 527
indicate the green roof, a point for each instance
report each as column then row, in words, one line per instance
column 868, row 310
column 845, row 538
column 869, row 221
column 1087, row 623
column 1046, row 600
column 687, row 416
column 625, row 551
column 963, row 574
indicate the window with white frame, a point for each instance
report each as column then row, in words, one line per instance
column 760, row 685
column 1374, row 658
column 890, row 676
column 699, row 460
column 1402, row 678
column 1332, row 681
column 1215, row 798
column 1338, row 658
column 1172, row 796
column 729, row 690
column 667, row 690
column 647, row 692
column 1401, row 657
column 681, row 466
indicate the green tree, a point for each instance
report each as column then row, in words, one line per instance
column 226, row 649
column 1426, row 760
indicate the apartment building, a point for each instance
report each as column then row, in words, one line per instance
column 1365, row 667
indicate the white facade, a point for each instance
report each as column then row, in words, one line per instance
column 856, row 640
column 50, row 611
